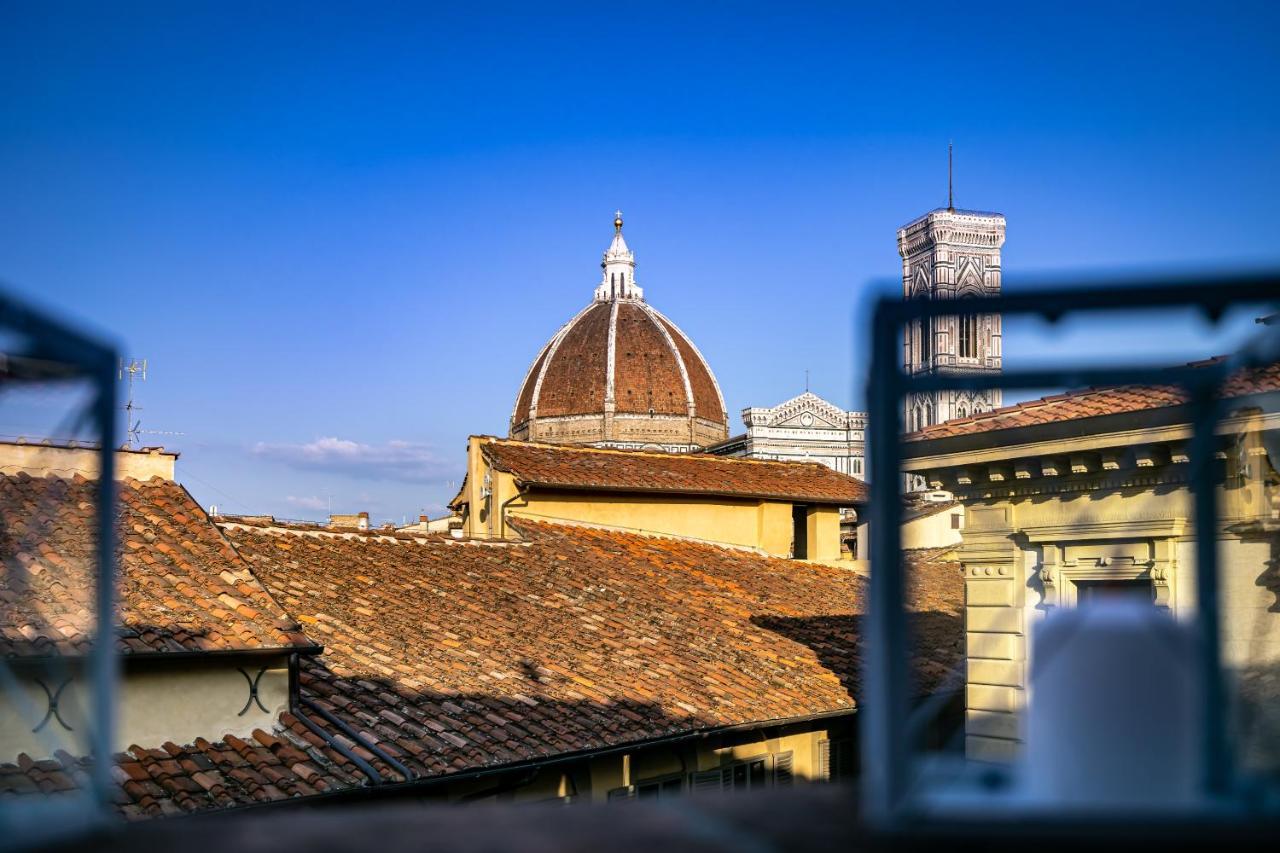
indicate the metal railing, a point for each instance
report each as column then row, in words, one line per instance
column 893, row 777
column 42, row 350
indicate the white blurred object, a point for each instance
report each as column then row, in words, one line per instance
column 1113, row 717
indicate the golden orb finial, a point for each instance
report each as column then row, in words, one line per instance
column 617, row 221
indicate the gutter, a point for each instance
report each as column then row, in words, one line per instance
column 421, row 783
column 131, row 658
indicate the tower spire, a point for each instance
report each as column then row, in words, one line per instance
column 951, row 206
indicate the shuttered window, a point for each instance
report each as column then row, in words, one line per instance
column 707, row 782
column 751, row 775
column 782, row 775
column 835, row 760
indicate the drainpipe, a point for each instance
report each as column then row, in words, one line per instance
column 502, row 511
column 295, row 697
column 409, row 775
column 365, row 767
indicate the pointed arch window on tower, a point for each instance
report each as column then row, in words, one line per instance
column 926, row 339
column 968, row 336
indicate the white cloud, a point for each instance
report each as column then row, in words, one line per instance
column 405, row 461
column 312, row 502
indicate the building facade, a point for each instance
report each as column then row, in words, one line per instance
column 806, row 428
column 784, row 509
column 1073, row 498
column 951, row 254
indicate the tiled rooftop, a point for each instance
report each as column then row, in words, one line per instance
column 456, row 656
column 287, row 763
column 1094, row 402
column 460, row 655
column 182, row 587
column 692, row 474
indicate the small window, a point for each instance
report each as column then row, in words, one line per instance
column 747, row 776
column 800, row 531
column 957, row 521
column 1137, row 590
column 659, row 789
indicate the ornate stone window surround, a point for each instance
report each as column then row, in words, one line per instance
column 1113, row 551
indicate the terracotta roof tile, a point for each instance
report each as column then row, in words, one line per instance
column 1094, row 402
column 454, row 655
column 286, row 763
column 695, row 474
column 182, row 586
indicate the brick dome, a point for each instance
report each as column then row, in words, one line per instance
column 620, row 374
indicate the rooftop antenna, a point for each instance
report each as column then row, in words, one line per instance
column 951, row 206
column 135, row 371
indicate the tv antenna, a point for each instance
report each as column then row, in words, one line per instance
column 135, row 371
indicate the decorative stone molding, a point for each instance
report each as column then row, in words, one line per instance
column 1118, row 550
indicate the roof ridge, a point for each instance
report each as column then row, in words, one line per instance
column 656, row 454
column 354, row 535
column 942, row 429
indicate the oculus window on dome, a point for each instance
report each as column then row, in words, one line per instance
column 620, row 374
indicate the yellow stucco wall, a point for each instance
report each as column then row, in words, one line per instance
column 176, row 702
column 492, row 496
column 823, row 532
column 773, row 521
column 748, row 523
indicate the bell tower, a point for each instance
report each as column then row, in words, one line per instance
column 951, row 254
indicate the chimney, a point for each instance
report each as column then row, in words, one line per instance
column 362, row 522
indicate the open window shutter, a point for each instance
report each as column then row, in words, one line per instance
column 707, row 782
column 824, row 760
column 782, row 774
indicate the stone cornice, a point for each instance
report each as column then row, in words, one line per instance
column 1006, row 451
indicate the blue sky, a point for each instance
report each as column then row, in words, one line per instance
column 340, row 235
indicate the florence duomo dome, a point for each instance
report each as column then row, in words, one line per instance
column 620, row 374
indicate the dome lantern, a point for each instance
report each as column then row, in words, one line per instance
column 619, row 265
